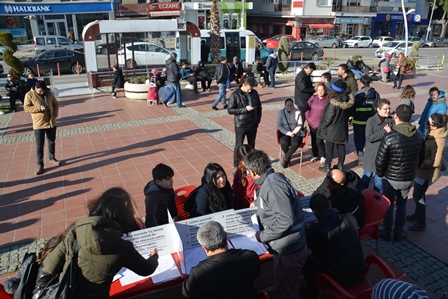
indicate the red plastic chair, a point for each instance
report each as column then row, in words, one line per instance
column 304, row 142
column 263, row 295
column 376, row 206
column 180, row 196
column 4, row 295
column 362, row 291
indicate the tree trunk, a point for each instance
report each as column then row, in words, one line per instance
column 215, row 38
column 444, row 23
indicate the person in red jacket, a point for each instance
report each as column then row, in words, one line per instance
column 243, row 186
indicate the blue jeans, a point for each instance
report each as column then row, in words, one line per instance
column 174, row 91
column 398, row 77
column 365, row 181
column 359, row 136
column 229, row 79
column 272, row 76
column 221, row 95
column 397, row 192
column 419, row 195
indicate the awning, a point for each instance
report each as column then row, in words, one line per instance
column 317, row 26
column 165, row 13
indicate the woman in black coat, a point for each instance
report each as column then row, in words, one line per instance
column 118, row 81
column 333, row 127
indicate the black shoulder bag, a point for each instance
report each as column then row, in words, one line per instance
column 302, row 131
column 66, row 287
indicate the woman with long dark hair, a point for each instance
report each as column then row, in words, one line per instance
column 214, row 194
column 430, row 169
column 102, row 251
column 243, row 186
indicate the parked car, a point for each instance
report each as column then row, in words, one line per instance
column 2, row 49
column 273, row 42
column 394, row 48
column 310, row 50
column 435, row 42
column 52, row 42
column 359, row 41
column 144, row 54
column 325, row 41
column 2, row 70
column 380, row 40
column 67, row 60
column 102, row 48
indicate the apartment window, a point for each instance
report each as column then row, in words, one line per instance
column 323, row 3
column 353, row 3
column 268, row 1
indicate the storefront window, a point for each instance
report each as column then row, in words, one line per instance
column 18, row 26
column 83, row 19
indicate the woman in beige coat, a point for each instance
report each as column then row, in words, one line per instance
column 44, row 109
column 430, row 169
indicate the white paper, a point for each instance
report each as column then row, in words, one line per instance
column 192, row 258
column 255, row 222
column 130, row 277
column 167, row 270
column 250, row 243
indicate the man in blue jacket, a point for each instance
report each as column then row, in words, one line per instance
column 281, row 222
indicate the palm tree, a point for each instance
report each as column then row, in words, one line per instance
column 214, row 33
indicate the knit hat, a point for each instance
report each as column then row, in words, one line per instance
column 235, row 58
column 393, row 288
column 339, row 85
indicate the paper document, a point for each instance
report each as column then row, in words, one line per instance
column 192, row 257
column 167, row 270
column 129, row 277
column 249, row 242
column 255, row 222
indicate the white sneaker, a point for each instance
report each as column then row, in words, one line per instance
column 323, row 160
column 314, row 159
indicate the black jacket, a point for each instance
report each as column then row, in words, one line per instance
column 202, row 196
column 236, row 69
column 157, row 201
column 304, row 89
column 229, row 274
column 237, row 105
column 400, row 153
column 334, row 122
column 351, row 64
column 172, row 71
column 335, row 244
column 364, row 106
column 118, row 79
column 221, row 73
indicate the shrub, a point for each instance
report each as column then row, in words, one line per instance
column 16, row 66
column 138, row 79
column 283, row 54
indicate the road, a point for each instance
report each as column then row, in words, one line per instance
column 427, row 56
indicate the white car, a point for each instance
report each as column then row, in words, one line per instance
column 394, row 48
column 325, row 41
column 380, row 40
column 358, row 41
column 144, row 54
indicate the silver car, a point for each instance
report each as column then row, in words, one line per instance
column 144, row 54
column 359, row 41
column 325, row 41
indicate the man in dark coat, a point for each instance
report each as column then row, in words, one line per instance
column 245, row 104
column 159, row 195
column 225, row 273
column 221, row 77
column 304, row 88
column 348, row 77
column 335, row 245
column 236, row 70
column 118, row 81
column 400, row 153
column 173, row 81
column 205, row 51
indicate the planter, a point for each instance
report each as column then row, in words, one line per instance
column 136, row 91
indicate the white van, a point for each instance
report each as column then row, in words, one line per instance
column 52, row 42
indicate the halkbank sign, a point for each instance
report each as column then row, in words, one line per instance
column 56, row 8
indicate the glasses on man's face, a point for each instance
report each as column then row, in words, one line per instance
column 385, row 109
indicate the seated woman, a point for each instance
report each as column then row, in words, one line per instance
column 289, row 123
column 203, row 75
column 214, row 194
column 102, row 251
column 243, row 185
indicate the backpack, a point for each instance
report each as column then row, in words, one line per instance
column 190, row 203
column 28, row 275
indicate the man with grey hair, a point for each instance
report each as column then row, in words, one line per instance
column 281, row 222
column 225, row 273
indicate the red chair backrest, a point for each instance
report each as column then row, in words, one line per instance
column 3, row 294
column 305, row 139
column 180, row 196
column 278, row 136
column 376, row 206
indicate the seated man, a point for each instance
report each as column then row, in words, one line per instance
column 353, row 67
column 159, row 195
column 225, row 273
column 335, row 245
column 203, row 75
column 360, row 65
column 236, row 70
column 259, row 72
column 188, row 74
column 343, row 193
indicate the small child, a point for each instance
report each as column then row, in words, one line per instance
column 118, row 81
column 160, row 196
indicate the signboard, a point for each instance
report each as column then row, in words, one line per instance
column 57, row 8
column 417, row 18
column 16, row 32
column 351, row 20
column 123, row 10
column 163, row 6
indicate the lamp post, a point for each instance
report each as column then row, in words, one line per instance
column 430, row 20
column 242, row 14
column 406, row 25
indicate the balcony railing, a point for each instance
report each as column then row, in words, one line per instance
column 358, row 9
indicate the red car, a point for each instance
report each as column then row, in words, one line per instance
column 273, row 42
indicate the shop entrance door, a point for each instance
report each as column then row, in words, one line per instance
column 56, row 27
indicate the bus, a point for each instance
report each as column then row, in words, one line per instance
column 233, row 43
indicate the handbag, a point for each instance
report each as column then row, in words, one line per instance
column 66, row 287
column 302, row 131
column 28, row 273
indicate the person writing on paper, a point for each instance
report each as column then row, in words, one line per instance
column 225, row 273
column 102, row 251
column 281, row 222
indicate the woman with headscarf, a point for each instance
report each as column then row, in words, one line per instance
column 384, row 66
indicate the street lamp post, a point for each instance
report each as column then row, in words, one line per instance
column 430, row 20
column 406, row 25
column 242, row 15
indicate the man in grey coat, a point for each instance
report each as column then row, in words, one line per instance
column 281, row 222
